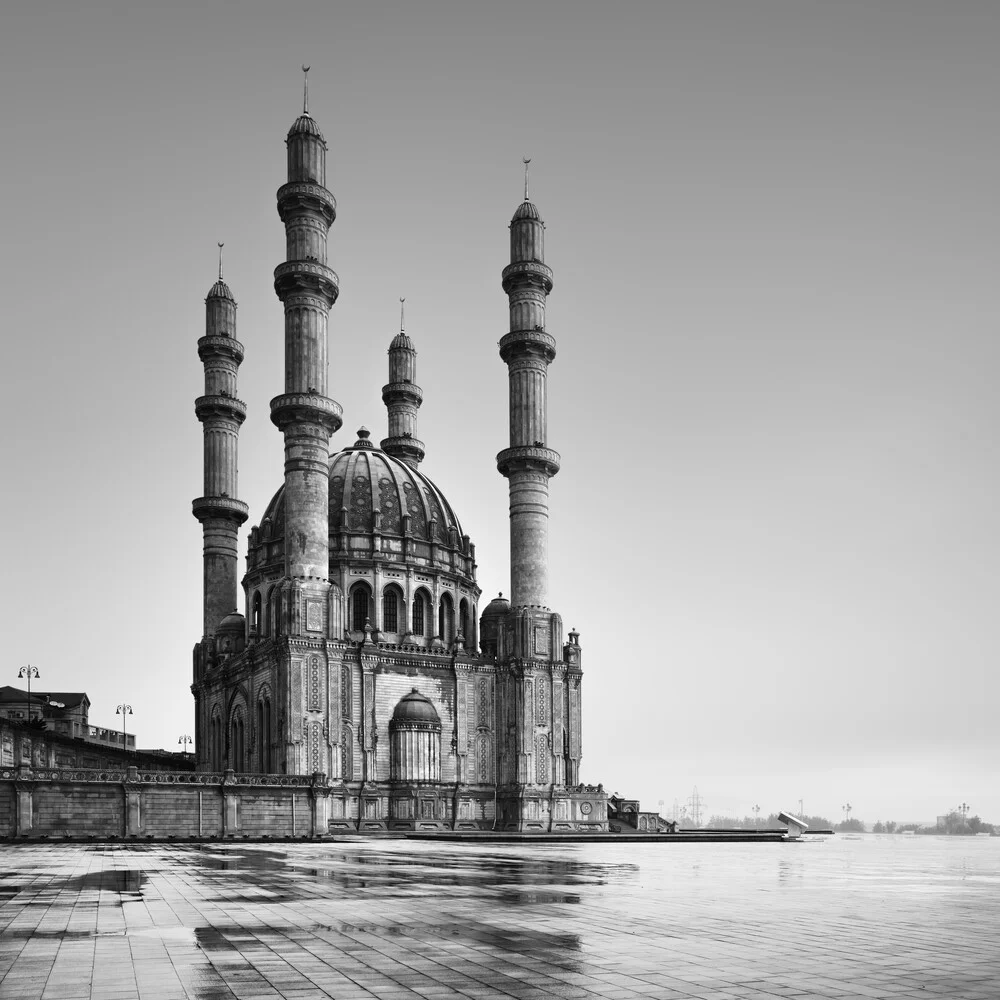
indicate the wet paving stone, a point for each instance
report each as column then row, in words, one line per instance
column 892, row 918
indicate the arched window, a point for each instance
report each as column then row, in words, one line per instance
column 273, row 610
column 360, row 606
column 255, row 621
column 446, row 618
column 216, row 739
column 419, row 613
column 265, row 757
column 268, row 740
column 463, row 621
column 237, row 759
column 390, row 609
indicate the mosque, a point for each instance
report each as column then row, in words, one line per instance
column 362, row 655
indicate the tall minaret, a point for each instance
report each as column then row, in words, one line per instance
column 528, row 463
column 221, row 415
column 303, row 413
column 402, row 398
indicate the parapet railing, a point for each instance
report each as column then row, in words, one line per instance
column 162, row 777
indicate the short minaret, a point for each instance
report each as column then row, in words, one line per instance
column 528, row 463
column 221, row 415
column 402, row 397
column 303, row 413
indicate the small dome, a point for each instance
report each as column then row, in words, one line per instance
column 415, row 708
column 305, row 124
column 499, row 606
column 233, row 622
column 401, row 341
column 220, row 290
column 526, row 210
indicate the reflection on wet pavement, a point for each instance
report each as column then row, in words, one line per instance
column 880, row 917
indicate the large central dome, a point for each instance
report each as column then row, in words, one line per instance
column 378, row 504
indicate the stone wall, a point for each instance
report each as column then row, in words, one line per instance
column 159, row 804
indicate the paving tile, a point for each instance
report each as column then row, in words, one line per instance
column 878, row 919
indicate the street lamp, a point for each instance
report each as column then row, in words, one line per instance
column 756, row 816
column 847, row 813
column 123, row 710
column 28, row 672
column 185, row 741
column 964, row 810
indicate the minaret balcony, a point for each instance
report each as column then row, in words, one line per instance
column 306, row 276
column 531, row 458
column 213, row 345
column 407, row 449
column 402, row 392
column 227, row 407
column 519, row 343
column 302, row 196
column 306, row 407
column 223, row 508
column 526, row 272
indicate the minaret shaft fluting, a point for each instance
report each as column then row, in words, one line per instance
column 528, row 463
column 221, row 415
column 304, row 414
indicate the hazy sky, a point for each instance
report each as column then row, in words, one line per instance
column 774, row 232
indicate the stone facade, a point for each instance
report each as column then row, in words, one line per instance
column 361, row 586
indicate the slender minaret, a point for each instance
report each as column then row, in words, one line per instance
column 528, row 463
column 221, row 415
column 402, row 398
column 307, row 287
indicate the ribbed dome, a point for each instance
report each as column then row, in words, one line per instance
column 526, row 210
column 498, row 607
column 415, row 708
column 364, row 479
column 401, row 340
column 220, row 290
column 306, row 124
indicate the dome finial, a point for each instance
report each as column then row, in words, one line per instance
column 305, row 90
column 526, row 160
column 402, row 328
column 221, row 245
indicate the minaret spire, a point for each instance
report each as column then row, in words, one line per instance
column 402, row 397
column 305, row 90
column 221, row 245
column 528, row 463
column 221, row 415
column 304, row 414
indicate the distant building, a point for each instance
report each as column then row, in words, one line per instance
column 64, row 712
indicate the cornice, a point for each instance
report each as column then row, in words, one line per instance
column 220, row 406
column 299, row 195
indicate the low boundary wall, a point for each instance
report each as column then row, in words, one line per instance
column 134, row 803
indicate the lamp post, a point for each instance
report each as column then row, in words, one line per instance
column 185, row 741
column 123, row 710
column 756, row 816
column 847, row 813
column 964, row 810
column 29, row 672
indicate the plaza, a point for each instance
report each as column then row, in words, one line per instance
column 875, row 917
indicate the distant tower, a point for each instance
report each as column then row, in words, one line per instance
column 221, row 415
column 528, row 463
column 402, row 397
column 307, row 287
